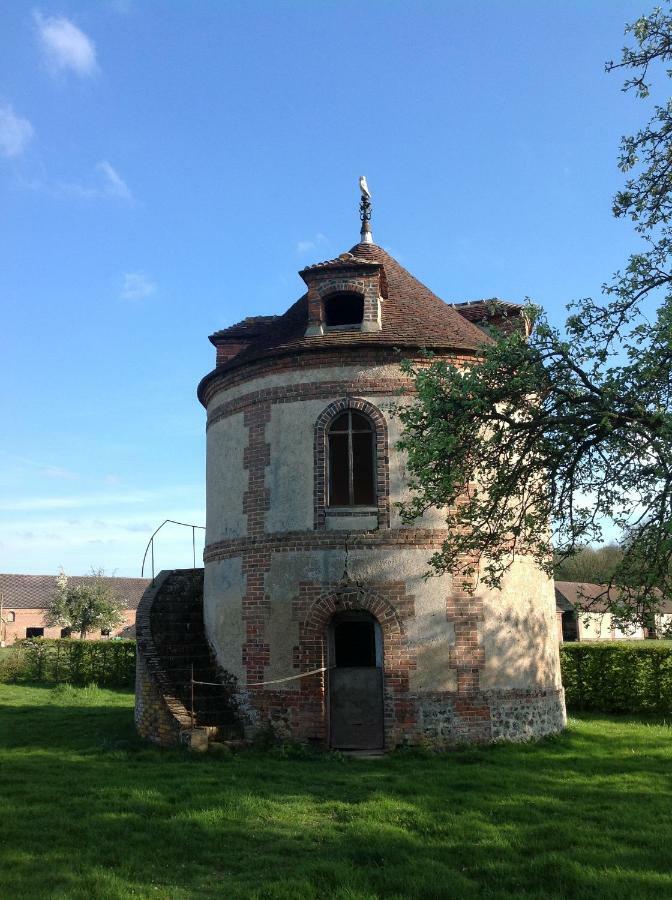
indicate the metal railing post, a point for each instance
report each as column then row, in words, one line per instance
column 150, row 542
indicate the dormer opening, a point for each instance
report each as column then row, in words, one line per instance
column 344, row 310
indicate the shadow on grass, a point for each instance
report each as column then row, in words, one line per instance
column 89, row 810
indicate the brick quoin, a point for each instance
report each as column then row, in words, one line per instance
column 465, row 610
column 256, row 652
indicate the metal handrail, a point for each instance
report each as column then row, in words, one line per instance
column 150, row 542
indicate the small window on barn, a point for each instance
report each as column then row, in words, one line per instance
column 34, row 632
column 344, row 310
column 66, row 632
column 11, row 616
column 104, row 632
column 352, row 469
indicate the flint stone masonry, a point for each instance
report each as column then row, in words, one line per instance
column 521, row 716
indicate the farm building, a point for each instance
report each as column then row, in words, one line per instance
column 586, row 617
column 26, row 597
column 312, row 608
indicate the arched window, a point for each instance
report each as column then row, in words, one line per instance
column 344, row 310
column 352, row 478
column 352, row 468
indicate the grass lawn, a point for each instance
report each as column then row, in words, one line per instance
column 87, row 811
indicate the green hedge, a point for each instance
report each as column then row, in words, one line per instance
column 46, row 661
column 615, row 677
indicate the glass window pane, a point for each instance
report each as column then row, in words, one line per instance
column 340, row 423
column 339, row 488
column 363, row 470
column 360, row 423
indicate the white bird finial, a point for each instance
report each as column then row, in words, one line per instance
column 365, row 211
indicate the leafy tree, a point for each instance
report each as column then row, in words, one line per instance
column 85, row 607
column 591, row 565
column 548, row 437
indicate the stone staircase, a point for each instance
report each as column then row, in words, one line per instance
column 172, row 640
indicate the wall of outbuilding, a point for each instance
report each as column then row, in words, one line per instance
column 34, row 618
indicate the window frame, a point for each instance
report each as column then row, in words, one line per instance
column 328, row 299
column 326, row 516
column 371, row 431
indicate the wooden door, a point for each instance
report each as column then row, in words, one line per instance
column 356, row 683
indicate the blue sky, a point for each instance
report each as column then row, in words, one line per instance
column 167, row 168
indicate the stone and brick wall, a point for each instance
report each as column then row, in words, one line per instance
column 458, row 666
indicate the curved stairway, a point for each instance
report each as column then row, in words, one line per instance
column 171, row 645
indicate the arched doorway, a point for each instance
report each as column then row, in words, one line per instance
column 355, row 644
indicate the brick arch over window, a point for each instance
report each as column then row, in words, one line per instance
column 321, row 476
column 398, row 660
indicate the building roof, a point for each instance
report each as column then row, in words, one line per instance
column 477, row 310
column 36, row 591
column 584, row 595
column 412, row 316
column 250, row 327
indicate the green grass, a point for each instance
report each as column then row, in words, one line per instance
column 86, row 810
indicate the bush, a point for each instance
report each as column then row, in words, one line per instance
column 12, row 664
column 615, row 677
column 106, row 663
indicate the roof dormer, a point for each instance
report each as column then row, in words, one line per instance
column 344, row 294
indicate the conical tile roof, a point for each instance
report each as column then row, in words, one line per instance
column 412, row 316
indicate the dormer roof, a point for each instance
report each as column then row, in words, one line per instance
column 412, row 317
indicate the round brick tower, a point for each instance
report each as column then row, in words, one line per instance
column 314, row 597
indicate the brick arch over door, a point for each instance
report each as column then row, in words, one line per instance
column 398, row 661
column 321, row 477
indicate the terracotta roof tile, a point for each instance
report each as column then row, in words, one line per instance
column 412, row 316
column 248, row 328
column 35, row 591
column 340, row 261
column 477, row 310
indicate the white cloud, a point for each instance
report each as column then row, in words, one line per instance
column 137, row 286
column 108, row 183
column 65, row 46
column 59, row 472
column 51, row 470
column 15, row 132
column 113, row 184
column 74, row 501
column 44, row 543
column 173, row 496
column 303, row 247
